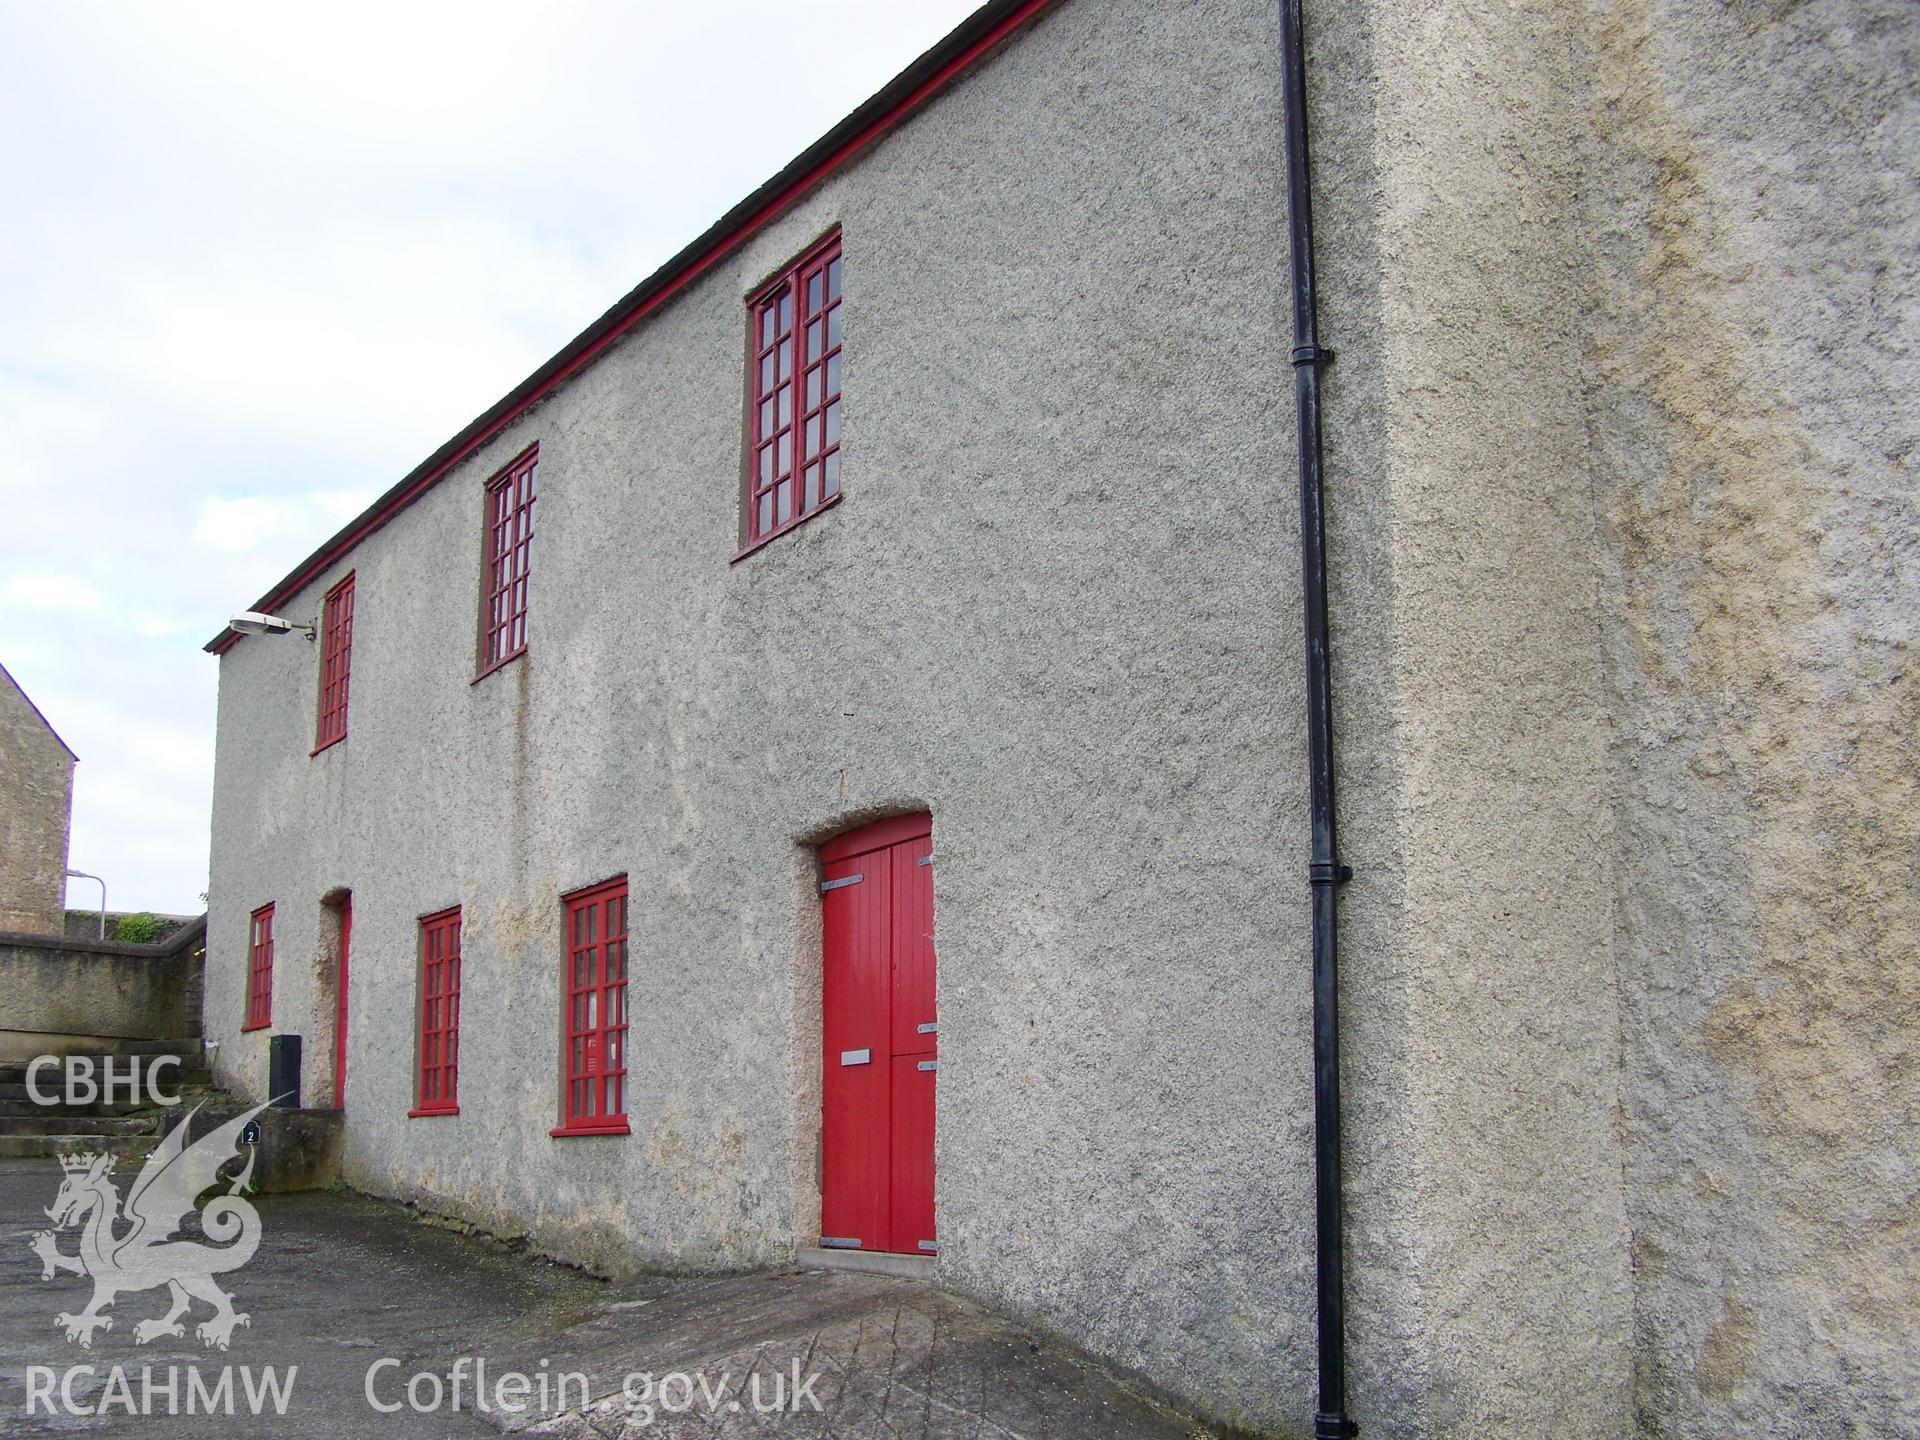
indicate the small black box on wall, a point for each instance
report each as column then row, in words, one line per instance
column 283, row 1071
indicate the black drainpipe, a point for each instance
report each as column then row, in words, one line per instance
column 1325, row 871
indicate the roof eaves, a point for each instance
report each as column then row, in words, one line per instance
column 970, row 42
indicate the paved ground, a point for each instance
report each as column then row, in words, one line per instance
column 342, row 1283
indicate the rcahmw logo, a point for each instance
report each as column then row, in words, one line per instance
column 140, row 1247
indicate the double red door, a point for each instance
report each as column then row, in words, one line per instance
column 882, row 1038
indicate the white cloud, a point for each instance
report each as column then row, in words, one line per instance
column 46, row 590
column 246, row 524
column 149, row 625
column 258, row 262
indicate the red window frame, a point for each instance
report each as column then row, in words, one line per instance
column 437, row 1066
column 503, row 608
column 336, row 663
column 793, row 397
column 259, row 969
column 593, row 1016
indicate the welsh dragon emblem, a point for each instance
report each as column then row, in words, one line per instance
column 142, row 1248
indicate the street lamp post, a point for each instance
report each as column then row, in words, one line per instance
column 83, row 875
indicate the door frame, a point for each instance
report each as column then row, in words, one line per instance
column 876, row 835
column 341, row 972
column 331, row 965
column 868, row 837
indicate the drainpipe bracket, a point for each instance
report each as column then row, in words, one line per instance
column 1326, row 872
column 1312, row 355
column 1333, row 1427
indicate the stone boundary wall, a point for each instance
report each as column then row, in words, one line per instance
column 59, row 993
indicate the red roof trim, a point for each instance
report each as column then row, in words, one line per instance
column 902, row 97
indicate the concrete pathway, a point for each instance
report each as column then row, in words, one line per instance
column 360, row 1295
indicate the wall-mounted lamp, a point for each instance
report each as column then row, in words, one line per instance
column 252, row 622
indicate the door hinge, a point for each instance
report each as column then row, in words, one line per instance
column 932, row 1027
column 929, row 1064
column 924, row 860
column 930, row 1247
column 856, row 1057
column 827, row 885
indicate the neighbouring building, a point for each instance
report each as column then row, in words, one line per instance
column 913, row 562
column 36, row 813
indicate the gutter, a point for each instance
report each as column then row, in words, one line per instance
column 1324, row 870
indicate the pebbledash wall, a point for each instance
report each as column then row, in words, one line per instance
column 1756, row 473
column 1621, row 448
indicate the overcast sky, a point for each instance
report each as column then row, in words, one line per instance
column 256, row 262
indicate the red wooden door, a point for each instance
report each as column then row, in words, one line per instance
column 340, row 1010
column 880, row 1058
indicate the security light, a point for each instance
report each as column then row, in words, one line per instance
column 252, row 622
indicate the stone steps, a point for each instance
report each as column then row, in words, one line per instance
column 182, row 1047
column 14, row 1092
column 14, row 1072
column 78, row 1125
column 189, row 1096
column 32, row 1147
column 97, row 1046
column 125, row 1126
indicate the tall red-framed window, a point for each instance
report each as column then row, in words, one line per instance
column 437, row 1087
column 336, row 663
column 260, row 970
column 593, row 1058
column 793, row 461
column 503, row 615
